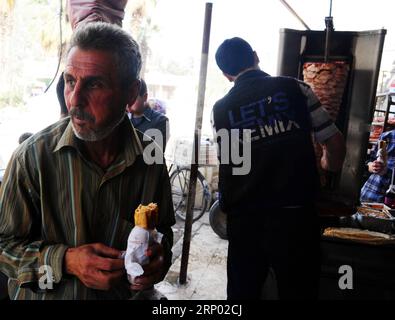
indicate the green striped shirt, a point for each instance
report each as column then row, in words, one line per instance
column 52, row 198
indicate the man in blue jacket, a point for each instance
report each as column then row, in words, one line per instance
column 271, row 218
column 144, row 118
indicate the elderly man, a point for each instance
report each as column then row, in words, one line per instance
column 86, row 11
column 69, row 193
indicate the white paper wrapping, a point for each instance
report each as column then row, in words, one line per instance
column 383, row 158
column 138, row 242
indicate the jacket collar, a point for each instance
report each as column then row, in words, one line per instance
column 147, row 114
column 251, row 74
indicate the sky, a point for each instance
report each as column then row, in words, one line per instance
column 259, row 22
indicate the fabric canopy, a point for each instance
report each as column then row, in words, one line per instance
column 111, row 11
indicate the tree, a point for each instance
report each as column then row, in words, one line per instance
column 142, row 26
column 29, row 38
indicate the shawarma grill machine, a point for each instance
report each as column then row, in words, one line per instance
column 342, row 68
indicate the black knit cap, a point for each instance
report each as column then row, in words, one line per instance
column 234, row 55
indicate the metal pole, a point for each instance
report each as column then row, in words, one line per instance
column 328, row 36
column 285, row 3
column 196, row 145
column 382, row 81
column 328, row 32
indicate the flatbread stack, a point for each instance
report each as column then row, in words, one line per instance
column 359, row 235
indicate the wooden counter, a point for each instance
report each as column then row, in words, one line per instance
column 373, row 270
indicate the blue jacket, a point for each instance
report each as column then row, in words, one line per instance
column 152, row 119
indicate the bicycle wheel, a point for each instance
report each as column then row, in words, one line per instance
column 179, row 181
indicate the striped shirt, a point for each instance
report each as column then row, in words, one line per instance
column 52, row 198
column 323, row 126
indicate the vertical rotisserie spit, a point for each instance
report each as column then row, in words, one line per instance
column 328, row 80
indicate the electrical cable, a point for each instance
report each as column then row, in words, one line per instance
column 60, row 46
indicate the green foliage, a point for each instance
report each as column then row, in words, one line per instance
column 29, row 37
column 12, row 98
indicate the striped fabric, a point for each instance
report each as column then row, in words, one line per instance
column 323, row 126
column 376, row 186
column 53, row 198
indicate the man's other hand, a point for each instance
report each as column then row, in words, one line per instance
column 96, row 265
column 154, row 271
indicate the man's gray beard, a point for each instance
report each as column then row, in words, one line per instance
column 99, row 135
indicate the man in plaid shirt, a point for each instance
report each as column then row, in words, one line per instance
column 375, row 187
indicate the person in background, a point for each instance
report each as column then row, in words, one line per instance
column 271, row 218
column 24, row 136
column 378, row 182
column 144, row 118
column 157, row 105
column 69, row 192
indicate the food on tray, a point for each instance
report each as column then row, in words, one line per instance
column 377, row 127
column 373, row 205
column 369, row 212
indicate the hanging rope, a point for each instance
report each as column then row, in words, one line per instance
column 60, row 46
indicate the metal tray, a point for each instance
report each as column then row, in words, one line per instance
column 389, row 210
column 379, row 206
column 375, row 224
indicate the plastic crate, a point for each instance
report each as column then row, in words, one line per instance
column 182, row 150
